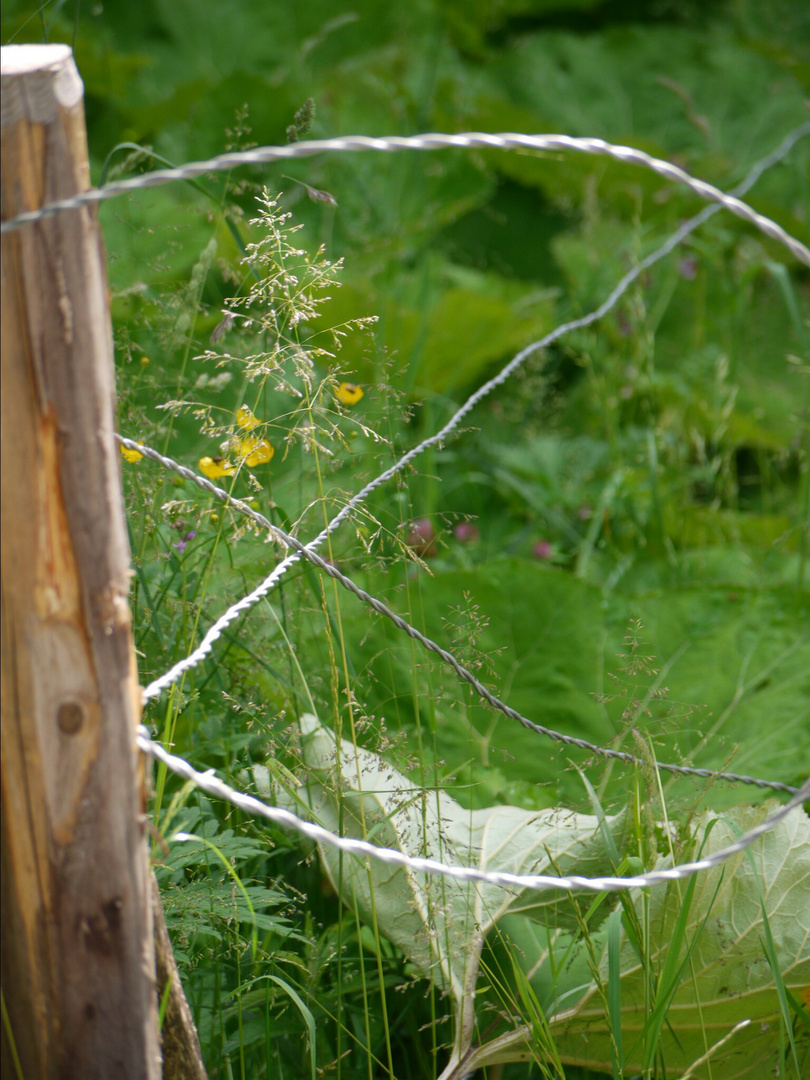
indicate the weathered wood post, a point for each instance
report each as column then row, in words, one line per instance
column 78, row 971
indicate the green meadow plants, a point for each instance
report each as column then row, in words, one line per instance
column 295, row 954
column 615, row 541
column 651, row 983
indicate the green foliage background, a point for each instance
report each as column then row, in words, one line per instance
column 660, row 459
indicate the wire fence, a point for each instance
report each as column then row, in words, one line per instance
column 213, row 634
column 527, row 143
column 434, row 141
column 212, row 785
column 310, row 555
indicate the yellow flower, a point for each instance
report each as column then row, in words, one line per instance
column 245, row 418
column 254, row 451
column 348, row 393
column 131, row 455
column 251, row 449
column 262, row 453
column 214, row 468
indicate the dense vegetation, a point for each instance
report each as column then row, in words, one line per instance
column 616, row 542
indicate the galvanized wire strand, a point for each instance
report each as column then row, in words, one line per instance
column 775, row 156
column 205, row 646
column 377, row 605
column 392, row 143
column 212, row 785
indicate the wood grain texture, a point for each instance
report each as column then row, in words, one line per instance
column 78, row 958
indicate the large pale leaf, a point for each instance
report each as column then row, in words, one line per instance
column 726, row 979
column 439, row 923
column 718, row 975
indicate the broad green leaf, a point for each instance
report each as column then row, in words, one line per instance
column 450, row 324
column 553, row 643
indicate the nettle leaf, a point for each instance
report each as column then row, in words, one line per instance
column 439, row 923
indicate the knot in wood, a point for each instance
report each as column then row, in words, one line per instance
column 70, row 717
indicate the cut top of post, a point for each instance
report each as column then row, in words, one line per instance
column 36, row 81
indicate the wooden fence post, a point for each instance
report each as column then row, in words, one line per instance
column 78, row 970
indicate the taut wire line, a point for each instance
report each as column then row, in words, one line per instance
column 212, row 785
column 435, row 141
column 483, row 691
column 214, row 632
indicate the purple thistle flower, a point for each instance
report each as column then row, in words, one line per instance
column 466, row 533
column 542, row 550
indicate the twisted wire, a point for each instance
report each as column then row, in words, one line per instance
column 212, row 785
column 448, row 658
column 436, row 141
column 205, row 646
